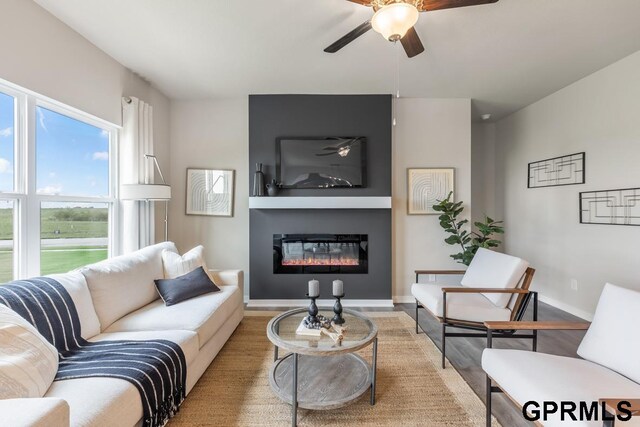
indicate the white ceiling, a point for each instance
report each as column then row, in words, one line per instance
column 504, row 56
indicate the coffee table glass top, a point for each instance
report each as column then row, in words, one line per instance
column 360, row 331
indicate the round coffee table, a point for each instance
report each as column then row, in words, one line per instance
column 318, row 373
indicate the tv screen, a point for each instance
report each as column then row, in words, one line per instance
column 330, row 162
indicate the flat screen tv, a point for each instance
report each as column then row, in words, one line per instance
column 330, row 162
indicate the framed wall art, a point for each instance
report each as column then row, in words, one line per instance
column 563, row 170
column 610, row 207
column 210, row 192
column 427, row 186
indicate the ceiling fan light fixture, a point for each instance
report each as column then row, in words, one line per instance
column 394, row 20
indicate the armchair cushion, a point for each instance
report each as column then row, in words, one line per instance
column 526, row 376
column 610, row 341
column 491, row 269
column 469, row 307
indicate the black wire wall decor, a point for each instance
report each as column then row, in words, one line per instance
column 610, row 207
column 557, row 171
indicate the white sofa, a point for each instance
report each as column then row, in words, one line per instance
column 609, row 368
column 116, row 299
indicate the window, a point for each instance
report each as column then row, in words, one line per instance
column 57, row 186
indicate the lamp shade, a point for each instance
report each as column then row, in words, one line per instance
column 145, row 192
column 394, row 20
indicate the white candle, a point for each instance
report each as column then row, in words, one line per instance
column 314, row 288
column 338, row 288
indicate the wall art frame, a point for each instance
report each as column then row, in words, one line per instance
column 210, row 192
column 557, row 171
column 610, row 207
column 427, row 186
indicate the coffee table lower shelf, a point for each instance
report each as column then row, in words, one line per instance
column 327, row 382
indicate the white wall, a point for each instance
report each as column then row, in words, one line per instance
column 212, row 134
column 44, row 55
column 483, row 179
column 599, row 114
column 428, row 133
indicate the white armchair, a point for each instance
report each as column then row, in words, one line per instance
column 494, row 287
column 609, row 371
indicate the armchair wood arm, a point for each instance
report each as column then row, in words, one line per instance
column 537, row 326
column 462, row 290
column 440, row 272
column 611, row 406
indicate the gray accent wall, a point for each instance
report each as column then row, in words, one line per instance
column 374, row 222
column 273, row 116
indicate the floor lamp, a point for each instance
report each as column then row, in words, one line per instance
column 150, row 193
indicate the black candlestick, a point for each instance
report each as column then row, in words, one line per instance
column 313, row 310
column 337, row 309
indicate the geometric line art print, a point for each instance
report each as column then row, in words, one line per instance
column 610, row 207
column 210, row 192
column 563, row 170
column 426, row 187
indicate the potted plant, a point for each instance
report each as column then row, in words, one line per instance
column 469, row 241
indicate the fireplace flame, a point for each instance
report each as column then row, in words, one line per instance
column 320, row 262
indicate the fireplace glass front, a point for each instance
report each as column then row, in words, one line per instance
column 320, row 253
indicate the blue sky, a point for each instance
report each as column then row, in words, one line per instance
column 71, row 156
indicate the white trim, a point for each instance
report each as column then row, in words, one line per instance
column 322, row 303
column 319, row 202
column 566, row 307
column 42, row 99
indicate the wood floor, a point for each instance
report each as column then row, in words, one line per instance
column 465, row 353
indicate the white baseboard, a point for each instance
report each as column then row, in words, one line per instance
column 403, row 299
column 566, row 307
column 266, row 303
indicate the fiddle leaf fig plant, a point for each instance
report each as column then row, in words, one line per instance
column 469, row 241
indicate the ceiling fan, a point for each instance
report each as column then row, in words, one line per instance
column 394, row 19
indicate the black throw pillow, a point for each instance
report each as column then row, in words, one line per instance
column 190, row 285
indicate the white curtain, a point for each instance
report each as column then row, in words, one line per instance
column 136, row 140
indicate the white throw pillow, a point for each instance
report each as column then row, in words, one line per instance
column 28, row 362
column 176, row 265
column 610, row 340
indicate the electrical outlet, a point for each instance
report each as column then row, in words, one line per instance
column 574, row 285
column 432, row 277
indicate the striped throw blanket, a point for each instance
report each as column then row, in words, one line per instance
column 157, row 368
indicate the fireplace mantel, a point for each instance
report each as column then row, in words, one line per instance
column 319, row 202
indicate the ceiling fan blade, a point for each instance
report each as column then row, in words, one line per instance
column 428, row 5
column 349, row 37
column 411, row 43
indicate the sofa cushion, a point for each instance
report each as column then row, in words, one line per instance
column 471, row 307
column 490, row 269
column 99, row 401
column 40, row 412
column 187, row 340
column 609, row 340
column 28, row 362
column 527, row 375
column 204, row 314
column 75, row 283
column 123, row 284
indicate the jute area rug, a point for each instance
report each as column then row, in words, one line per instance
column 412, row 389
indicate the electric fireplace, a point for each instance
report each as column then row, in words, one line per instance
column 320, row 254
